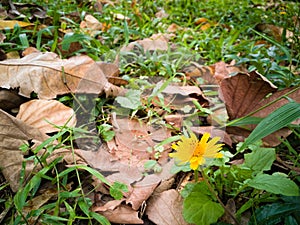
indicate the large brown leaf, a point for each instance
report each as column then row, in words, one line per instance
column 166, row 208
column 248, row 93
column 48, row 75
column 243, row 92
column 45, row 114
column 14, row 133
column 116, row 212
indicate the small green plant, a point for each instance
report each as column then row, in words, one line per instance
column 68, row 202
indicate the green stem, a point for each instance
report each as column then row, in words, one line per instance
column 217, row 197
column 196, row 174
column 230, row 123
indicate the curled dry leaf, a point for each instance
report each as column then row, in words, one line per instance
column 9, row 99
column 14, row 133
column 48, row 75
column 116, row 212
column 46, row 114
column 166, row 208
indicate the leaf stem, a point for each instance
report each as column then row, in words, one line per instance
column 261, row 108
column 196, row 175
column 217, row 197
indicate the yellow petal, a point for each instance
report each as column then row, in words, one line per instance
column 184, row 148
column 195, row 162
column 204, row 139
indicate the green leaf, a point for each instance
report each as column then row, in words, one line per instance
column 101, row 219
column 116, row 190
column 85, row 204
column 244, row 121
column 260, row 159
column 132, row 99
column 278, row 119
column 71, row 212
column 276, row 184
column 106, row 132
column 274, row 213
column 199, row 208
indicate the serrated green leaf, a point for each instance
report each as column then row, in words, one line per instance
column 199, row 207
column 276, row 184
column 260, row 159
column 273, row 213
column 278, row 119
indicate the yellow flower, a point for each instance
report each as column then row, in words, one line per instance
column 194, row 151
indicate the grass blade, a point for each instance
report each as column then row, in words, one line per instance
column 278, row 119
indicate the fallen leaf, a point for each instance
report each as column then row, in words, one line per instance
column 134, row 138
column 91, row 25
column 153, row 43
column 9, row 100
column 201, row 20
column 49, row 76
column 247, row 93
column 173, row 28
column 144, row 188
column 46, row 114
column 10, row 24
column 275, row 31
column 161, row 14
column 214, row 132
column 242, row 92
column 13, row 134
column 166, row 208
column 176, row 97
column 119, row 213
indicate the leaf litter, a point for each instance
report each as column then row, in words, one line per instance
column 122, row 159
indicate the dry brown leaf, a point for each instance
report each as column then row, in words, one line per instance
column 214, row 132
column 140, row 187
column 48, row 75
column 230, row 207
column 109, row 69
column 91, row 25
column 134, row 138
column 247, row 93
column 119, row 213
column 144, row 188
column 37, row 202
column 166, row 208
column 9, row 99
column 242, row 92
column 274, row 31
column 161, row 14
column 14, row 133
column 153, row 43
column 176, row 97
column 113, row 169
column 45, row 114
column 173, row 28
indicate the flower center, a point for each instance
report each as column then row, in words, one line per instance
column 199, row 150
